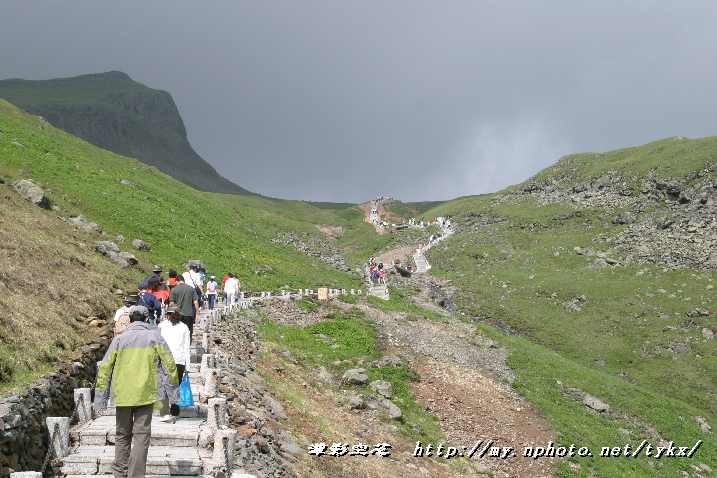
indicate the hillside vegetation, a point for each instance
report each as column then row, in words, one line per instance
column 598, row 274
column 228, row 232
column 55, row 292
column 114, row 112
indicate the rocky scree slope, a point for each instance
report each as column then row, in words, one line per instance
column 112, row 111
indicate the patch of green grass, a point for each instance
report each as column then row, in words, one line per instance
column 539, row 373
column 348, row 299
column 307, row 304
column 349, row 337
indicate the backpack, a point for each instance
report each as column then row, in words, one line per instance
column 148, row 300
column 122, row 323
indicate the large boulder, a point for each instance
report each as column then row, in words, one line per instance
column 595, row 403
column 140, row 245
column 391, row 409
column 111, row 250
column 32, row 192
column 382, row 387
column 85, row 225
column 106, row 247
column 126, row 258
column 356, row 376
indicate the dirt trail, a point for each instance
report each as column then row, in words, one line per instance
column 465, row 383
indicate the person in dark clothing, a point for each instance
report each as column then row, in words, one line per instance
column 156, row 272
column 186, row 299
column 147, row 299
column 172, row 279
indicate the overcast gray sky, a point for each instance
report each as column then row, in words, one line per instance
column 338, row 100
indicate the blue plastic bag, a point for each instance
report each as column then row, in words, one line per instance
column 185, row 392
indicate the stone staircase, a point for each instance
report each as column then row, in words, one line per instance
column 422, row 265
column 198, row 444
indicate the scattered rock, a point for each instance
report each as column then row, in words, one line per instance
column 704, row 426
column 599, row 263
column 356, row 402
column 324, row 375
column 595, row 403
column 289, row 446
column 372, row 403
column 679, row 348
column 111, row 250
column 698, row 312
column 388, row 361
column 575, row 304
column 119, row 238
column 356, row 376
column 382, row 387
column 708, row 333
column 85, row 225
column 126, row 182
column 32, row 192
column 274, row 407
column 106, row 247
column 664, row 223
column 262, row 269
column 126, row 258
column 624, row 218
column 140, row 245
column 391, row 409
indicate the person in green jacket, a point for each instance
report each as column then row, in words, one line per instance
column 138, row 363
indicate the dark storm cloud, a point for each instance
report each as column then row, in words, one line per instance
column 343, row 100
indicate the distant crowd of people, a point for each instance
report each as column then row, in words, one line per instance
column 150, row 352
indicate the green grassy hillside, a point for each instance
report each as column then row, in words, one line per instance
column 228, row 232
column 55, row 291
column 601, row 319
column 114, row 112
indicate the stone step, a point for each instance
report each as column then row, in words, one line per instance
column 101, row 431
column 161, row 460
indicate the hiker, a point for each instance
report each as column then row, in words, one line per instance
column 192, row 278
column 231, row 288
column 176, row 334
column 122, row 315
column 225, row 278
column 381, row 274
column 372, row 271
column 134, row 364
column 161, row 293
column 212, row 291
column 172, row 280
column 185, row 297
column 148, row 300
column 156, row 272
column 127, row 303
